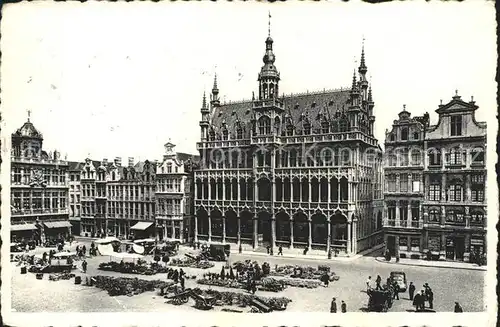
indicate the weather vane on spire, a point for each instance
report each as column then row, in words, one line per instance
column 269, row 24
column 29, row 114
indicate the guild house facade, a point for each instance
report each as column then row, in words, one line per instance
column 174, row 195
column 298, row 171
column 39, row 188
column 448, row 160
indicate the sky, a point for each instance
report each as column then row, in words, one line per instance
column 110, row 80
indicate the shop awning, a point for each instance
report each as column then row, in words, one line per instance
column 57, row 224
column 75, row 218
column 142, row 225
column 20, row 227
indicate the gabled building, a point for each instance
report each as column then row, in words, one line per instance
column 435, row 190
column 174, row 195
column 39, row 188
column 297, row 171
column 455, row 183
column 404, row 191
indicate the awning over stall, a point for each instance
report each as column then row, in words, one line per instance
column 21, row 227
column 57, row 224
column 142, row 225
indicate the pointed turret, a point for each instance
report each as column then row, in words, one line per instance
column 214, row 98
column 269, row 76
column 205, row 117
column 362, row 70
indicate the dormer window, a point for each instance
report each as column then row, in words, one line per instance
column 211, row 135
column 415, row 136
column 307, row 128
column 404, row 134
column 169, row 168
column 325, row 127
column 225, row 134
column 456, row 125
column 289, row 130
column 264, row 125
column 393, row 138
column 239, row 133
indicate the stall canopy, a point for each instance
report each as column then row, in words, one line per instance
column 21, row 227
column 57, row 224
column 107, row 240
column 142, row 225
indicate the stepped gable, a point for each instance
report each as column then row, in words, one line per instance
column 310, row 104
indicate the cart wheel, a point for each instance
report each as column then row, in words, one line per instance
column 185, row 299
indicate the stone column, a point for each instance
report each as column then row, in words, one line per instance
column 309, row 241
column 209, row 197
column 329, row 233
column 255, row 232
column 209, row 228
column 195, row 190
column 224, row 229
column 291, row 233
column 223, row 189
column 329, row 190
column 239, row 230
column 273, row 232
column 397, row 222
column 349, row 249
column 443, row 216
column 310, row 188
column 291, row 189
column 397, row 183
column 354, row 240
column 442, row 250
column 443, row 158
column 409, row 218
column 467, row 216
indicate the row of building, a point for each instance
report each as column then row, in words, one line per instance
column 297, row 171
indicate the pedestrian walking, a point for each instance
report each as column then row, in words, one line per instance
column 84, row 266
column 422, row 300
column 411, row 290
column 280, row 250
column 458, row 308
column 396, row 290
column 267, row 248
column 333, row 306
column 378, row 281
column 368, row 284
column 343, row 307
column 181, row 279
column 416, row 302
column 84, row 250
column 430, row 298
column 181, row 273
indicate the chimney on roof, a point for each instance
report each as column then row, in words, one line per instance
column 130, row 161
column 105, row 161
column 118, row 161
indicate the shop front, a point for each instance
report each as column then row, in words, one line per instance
column 477, row 249
column 143, row 229
column 22, row 232
column 57, row 230
column 455, row 248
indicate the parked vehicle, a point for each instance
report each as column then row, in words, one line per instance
column 400, row 278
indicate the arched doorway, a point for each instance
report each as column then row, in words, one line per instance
column 202, row 217
column 216, row 222
column 231, row 226
column 264, row 226
column 300, row 228
column 339, row 229
column 246, row 226
column 283, row 227
column 319, row 226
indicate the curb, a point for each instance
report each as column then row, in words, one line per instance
column 319, row 258
column 430, row 266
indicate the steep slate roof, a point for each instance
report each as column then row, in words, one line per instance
column 312, row 105
column 75, row 166
column 28, row 130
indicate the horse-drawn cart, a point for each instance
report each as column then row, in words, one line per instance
column 379, row 300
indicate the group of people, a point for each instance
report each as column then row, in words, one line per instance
column 178, row 276
column 333, row 306
column 270, row 250
column 419, row 299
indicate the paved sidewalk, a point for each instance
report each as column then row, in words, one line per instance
column 436, row 264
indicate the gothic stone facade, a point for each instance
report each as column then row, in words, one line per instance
column 299, row 171
column 39, row 188
column 451, row 220
column 174, row 196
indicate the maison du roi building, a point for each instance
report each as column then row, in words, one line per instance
column 435, row 184
column 139, row 200
column 39, row 188
column 298, row 171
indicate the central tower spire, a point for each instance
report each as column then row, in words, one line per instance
column 269, row 75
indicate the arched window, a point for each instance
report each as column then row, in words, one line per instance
column 264, row 125
column 325, row 127
column 239, row 132
column 404, row 134
column 289, row 130
column 307, row 128
column 277, row 125
column 211, row 135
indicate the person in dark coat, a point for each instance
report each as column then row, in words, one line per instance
column 458, row 308
column 333, row 306
column 396, row 291
column 411, row 290
column 343, row 307
column 84, row 266
column 416, row 301
column 280, row 250
column 181, row 279
column 181, row 273
column 430, row 298
column 84, row 250
column 378, row 281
